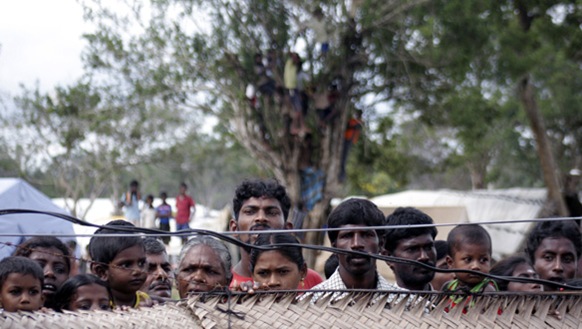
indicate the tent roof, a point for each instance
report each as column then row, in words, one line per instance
column 16, row 193
column 479, row 206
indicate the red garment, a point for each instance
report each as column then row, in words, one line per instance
column 352, row 132
column 311, row 280
column 183, row 205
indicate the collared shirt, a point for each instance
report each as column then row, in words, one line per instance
column 335, row 282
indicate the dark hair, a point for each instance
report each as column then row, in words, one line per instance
column 506, row 267
column 150, row 196
column 553, row 229
column 28, row 247
column 20, row 265
column 69, row 288
column 472, row 234
column 406, row 216
column 331, row 265
column 184, row 185
column 269, row 188
column 355, row 212
column 105, row 249
column 442, row 249
column 291, row 253
column 134, row 183
column 153, row 246
column 163, row 194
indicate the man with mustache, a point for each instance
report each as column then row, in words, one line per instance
column 260, row 205
column 353, row 216
column 416, row 243
column 158, row 284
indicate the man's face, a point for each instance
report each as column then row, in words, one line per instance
column 555, row 260
column 258, row 214
column 357, row 238
column 159, row 279
column 182, row 190
column 421, row 249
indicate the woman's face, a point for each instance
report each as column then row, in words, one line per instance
column 524, row 270
column 274, row 271
column 200, row 271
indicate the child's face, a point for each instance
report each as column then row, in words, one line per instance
column 469, row 256
column 21, row 292
column 126, row 273
column 276, row 272
column 90, row 297
column 55, row 269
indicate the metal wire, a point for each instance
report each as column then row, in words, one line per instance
column 227, row 238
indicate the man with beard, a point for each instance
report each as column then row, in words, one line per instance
column 158, row 284
column 416, row 243
column 260, row 205
column 355, row 271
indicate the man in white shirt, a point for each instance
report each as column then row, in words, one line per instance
column 353, row 216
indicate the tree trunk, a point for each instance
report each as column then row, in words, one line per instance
column 555, row 204
column 478, row 171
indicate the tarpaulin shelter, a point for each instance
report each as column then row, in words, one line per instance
column 16, row 193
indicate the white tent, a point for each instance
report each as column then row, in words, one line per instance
column 15, row 193
column 448, row 206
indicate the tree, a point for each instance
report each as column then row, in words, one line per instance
column 495, row 57
column 208, row 68
column 82, row 137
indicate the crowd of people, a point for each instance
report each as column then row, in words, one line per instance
column 149, row 215
column 133, row 271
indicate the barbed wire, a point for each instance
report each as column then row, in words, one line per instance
column 227, row 238
column 156, row 232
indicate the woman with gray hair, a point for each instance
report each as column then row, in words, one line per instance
column 204, row 265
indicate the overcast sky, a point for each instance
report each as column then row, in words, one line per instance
column 40, row 40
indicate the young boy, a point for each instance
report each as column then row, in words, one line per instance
column 469, row 249
column 21, row 282
column 121, row 262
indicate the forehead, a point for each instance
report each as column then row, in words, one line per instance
column 523, row 268
column 472, row 249
column 558, row 245
column 201, row 254
column 273, row 257
column 157, row 258
column 354, row 228
column 21, row 280
column 92, row 290
column 133, row 252
column 261, row 202
column 415, row 240
column 49, row 254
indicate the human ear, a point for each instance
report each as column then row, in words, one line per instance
column 233, row 226
column 303, row 271
column 100, row 270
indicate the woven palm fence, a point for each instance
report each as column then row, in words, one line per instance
column 355, row 311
